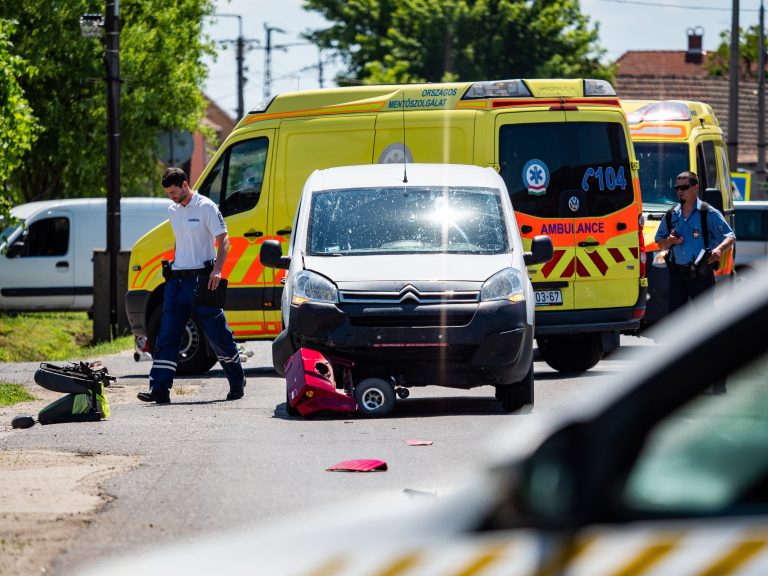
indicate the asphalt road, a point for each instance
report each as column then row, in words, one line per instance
column 209, row 465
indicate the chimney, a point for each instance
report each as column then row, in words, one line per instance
column 695, row 53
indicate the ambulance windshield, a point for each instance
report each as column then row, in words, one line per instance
column 660, row 163
column 411, row 220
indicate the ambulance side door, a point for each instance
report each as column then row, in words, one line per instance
column 240, row 183
column 306, row 145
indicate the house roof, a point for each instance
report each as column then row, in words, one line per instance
column 664, row 75
column 660, row 63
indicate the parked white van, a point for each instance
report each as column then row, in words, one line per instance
column 751, row 234
column 417, row 280
column 46, row 256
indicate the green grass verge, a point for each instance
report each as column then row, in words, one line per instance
column 11, row 394
column 34, row 337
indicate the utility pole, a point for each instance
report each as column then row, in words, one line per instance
column 761, row 94
column 320, row 67
column 241, row 45
column 112, row 60
column 733, row 95
column 268, row 58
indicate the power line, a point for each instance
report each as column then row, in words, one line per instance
column 686, row 7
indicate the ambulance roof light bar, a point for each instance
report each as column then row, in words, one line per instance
column 598, row 88
column 497, row 89
column 661, row 112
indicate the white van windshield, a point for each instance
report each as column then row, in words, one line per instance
column 412, row 220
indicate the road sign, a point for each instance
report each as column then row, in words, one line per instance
column 743, row 184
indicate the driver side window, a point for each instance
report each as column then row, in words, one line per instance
column 46, row 237
column 236, row 180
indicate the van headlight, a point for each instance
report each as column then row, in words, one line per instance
column 311, row 287
column 505, row 285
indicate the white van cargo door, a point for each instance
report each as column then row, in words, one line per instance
column 37, row 271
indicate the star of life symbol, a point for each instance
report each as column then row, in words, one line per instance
column 536, row 177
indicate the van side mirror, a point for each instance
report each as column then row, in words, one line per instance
column 541, row 251
column 15, row 250
column 714, row 198
column 271, row 255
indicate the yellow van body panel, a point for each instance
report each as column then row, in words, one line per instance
column 446, row 123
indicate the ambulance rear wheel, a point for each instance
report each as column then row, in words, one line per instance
column 193, row 348
column 375, row 397
column 571, row 354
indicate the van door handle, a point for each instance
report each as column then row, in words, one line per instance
column 63, row 265
column 285, row 232
column 253, row 234
column 587, row 244
column 525, row 229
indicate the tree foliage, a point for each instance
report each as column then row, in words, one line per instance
column 161, row 50
column 719, row 61
column 18, row 127
column 400, row 41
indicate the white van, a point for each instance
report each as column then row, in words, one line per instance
column 46, row 256
column 751, row 234
column 417, row 279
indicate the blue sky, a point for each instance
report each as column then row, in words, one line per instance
column 624, row 25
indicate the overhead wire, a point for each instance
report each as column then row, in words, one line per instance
column 682, row 7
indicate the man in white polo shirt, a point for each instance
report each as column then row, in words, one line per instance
column 197, row 226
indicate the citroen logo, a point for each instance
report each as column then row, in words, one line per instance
column 409, row 292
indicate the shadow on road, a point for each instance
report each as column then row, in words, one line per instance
column 418, row 408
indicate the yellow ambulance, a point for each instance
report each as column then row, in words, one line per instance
column 669, row 137
column 562, row 147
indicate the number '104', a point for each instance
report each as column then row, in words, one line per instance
column 610, row 179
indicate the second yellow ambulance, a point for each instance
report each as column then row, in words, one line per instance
column 671, row 136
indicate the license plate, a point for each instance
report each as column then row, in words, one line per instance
column 548, row 297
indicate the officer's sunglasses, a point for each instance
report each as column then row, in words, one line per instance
column 684, row 187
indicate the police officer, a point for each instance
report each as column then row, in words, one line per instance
column 197, row 225
column 685, row 240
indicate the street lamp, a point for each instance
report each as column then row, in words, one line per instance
column 95, row 26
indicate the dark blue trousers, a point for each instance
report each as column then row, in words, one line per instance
column 683, row 288
column 178, row 307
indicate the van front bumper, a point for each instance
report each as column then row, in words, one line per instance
column 489, row 343
column 136, row 309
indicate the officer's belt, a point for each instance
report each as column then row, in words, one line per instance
column 681, row 268
column 188, row 273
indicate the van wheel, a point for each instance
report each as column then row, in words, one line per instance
column 571, row 354
column 193, row 349
column 515, row 396
column 375, row 397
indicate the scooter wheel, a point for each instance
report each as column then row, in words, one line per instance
column 375, row 397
